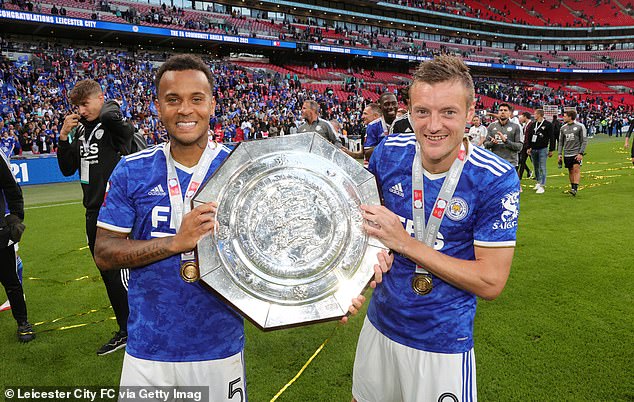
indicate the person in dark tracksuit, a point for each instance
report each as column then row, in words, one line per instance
column 91, row 142
column 11, row 229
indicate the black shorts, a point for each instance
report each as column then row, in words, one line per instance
column 569, row 161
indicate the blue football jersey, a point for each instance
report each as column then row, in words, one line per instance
column 170, row 320
column 483, row 212
column 375, row 132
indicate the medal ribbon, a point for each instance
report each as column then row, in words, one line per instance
column 427, row 233
column 179, row 206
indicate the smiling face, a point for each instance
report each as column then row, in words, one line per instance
column 368, row 115
column 389, row 107
column 439, row 114
column 185, row 104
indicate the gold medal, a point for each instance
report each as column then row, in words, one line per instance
column 189, row 272
column 422, row 284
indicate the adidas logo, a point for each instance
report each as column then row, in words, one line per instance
column 397, row 189
column 158, row 190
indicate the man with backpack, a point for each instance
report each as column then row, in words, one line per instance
column 92, row 141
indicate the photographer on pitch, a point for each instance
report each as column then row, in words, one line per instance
column 91, row 141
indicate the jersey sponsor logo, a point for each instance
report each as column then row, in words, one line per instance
column 160, row 214
column 458, row 209
column 508, row 218
column 92, row 150
column 408, row 224
column 397, row 189
column 158, row 190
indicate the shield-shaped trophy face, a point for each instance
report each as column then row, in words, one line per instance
column 289, row 247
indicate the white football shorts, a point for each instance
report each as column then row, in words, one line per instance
column 224, row 377
column 386, row 371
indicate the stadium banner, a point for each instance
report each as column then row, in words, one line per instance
column 180, row 33
column 42, row 170
column 140, row 29
column 410, row 57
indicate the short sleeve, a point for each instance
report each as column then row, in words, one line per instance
column 497, row 216
column 371, row 136
column 117, row 212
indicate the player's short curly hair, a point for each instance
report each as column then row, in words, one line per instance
column 184, row 62
column 445, row 68
column 82, row 90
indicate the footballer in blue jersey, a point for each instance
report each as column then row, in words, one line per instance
column 378, row 129
column 414, row 346
column 375, row 132
column 179, row 334
column 138, row 203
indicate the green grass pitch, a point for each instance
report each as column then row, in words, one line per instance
column 561, row 330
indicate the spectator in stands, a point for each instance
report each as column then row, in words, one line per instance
column 314, row 123
column 8, row 143
column 503, row 136
column 99, row 136
column 572, row 145
column 540, row 140
column 477, row 132
column 11, row 229
column 524, row 122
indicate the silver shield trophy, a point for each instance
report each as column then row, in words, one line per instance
column 289, row 247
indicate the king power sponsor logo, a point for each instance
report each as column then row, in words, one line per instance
column 409, row 227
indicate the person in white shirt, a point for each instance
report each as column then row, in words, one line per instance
column 477, row 132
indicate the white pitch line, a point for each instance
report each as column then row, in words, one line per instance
column 54, row 205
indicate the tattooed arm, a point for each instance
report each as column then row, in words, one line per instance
column 114, row 250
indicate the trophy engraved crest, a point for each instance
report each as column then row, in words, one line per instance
column 288, row 247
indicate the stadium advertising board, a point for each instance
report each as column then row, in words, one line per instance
column 140, row 29
column 389, row 55
column 185, row 34
column 40, row 170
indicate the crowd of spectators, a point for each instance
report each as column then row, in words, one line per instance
column 599, row 113
column 251, row 103
column 307, row 29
